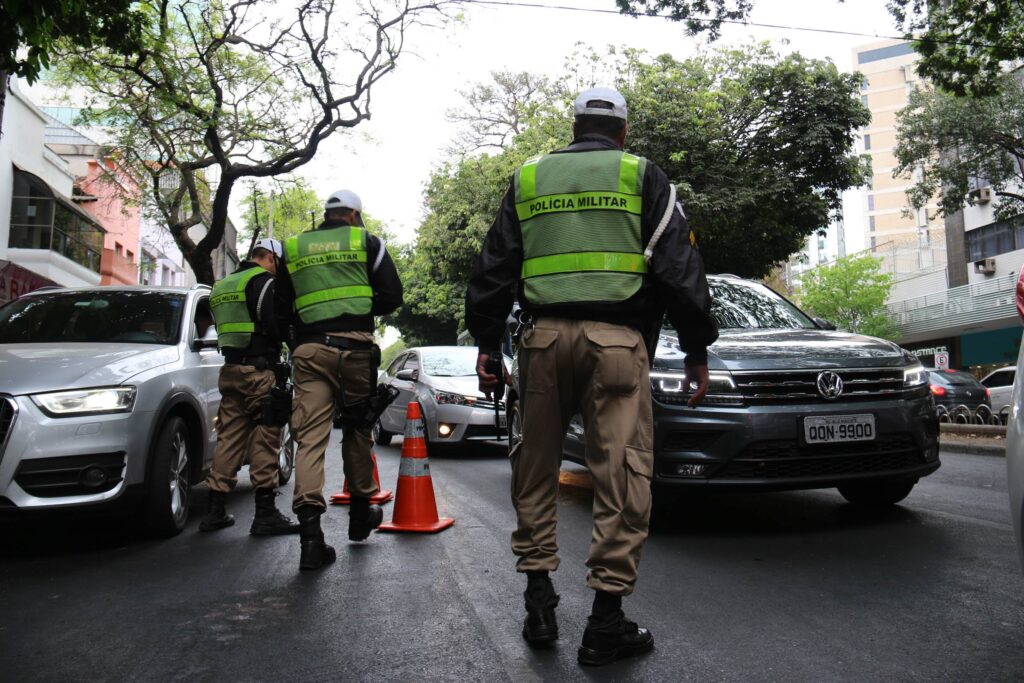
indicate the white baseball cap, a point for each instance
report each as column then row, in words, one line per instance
column 589, row 102
column 270, row 245
column 344, row 199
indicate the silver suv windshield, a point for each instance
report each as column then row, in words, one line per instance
column 740, row 305
column 93, row 316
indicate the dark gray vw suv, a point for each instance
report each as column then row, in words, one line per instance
column 792, row 405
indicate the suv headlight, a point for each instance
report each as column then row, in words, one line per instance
column 448, row 398
column 671, row 386
column 914, row 376
column 97, row 401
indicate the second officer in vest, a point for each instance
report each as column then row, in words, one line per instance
column 336, row 279
column 243, row 308
column 570, row 238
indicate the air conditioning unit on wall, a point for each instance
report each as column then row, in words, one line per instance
column 986, row 266
column 983, row 195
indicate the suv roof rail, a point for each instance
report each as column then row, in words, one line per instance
column 730, row 275
column 45, row 288
column 200, row 285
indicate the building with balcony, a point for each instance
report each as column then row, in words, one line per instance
column 45, row 237
column 908, row 241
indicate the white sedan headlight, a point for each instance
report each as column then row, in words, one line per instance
column 448, row 398
column 86, row 401
column 914, row 376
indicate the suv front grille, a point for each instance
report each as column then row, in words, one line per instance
column 788, row 459
column 8, row 411
column 768, row 387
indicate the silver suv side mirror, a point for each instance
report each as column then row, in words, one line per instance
column 209, row 340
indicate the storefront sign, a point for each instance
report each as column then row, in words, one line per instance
column 15, row 281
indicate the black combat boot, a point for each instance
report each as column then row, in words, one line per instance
column 217, row 516
column 363, row 518
column 540, row 629
column 315, row 553
column 268, row 520
column 609, row 636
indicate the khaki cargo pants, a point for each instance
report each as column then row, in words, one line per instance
column 242, row 388
column 325, row 376
column 600, row 371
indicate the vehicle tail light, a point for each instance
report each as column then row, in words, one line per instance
column 937, row 390
column 988, row 392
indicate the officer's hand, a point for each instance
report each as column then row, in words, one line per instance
column 698, row 374
column 489, row 383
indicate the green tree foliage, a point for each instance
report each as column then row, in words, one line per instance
column 229, row 90
column 38, row 25
column 964, row 44
column 761, row 146
column 296, row 209
column 962, row 143
column 698, row 15
column 851, row 294
column 388, row 353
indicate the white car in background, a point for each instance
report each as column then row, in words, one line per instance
column 1015, row 441
column 1000, row 386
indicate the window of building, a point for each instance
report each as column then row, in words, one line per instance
column 865, row 84
column 995, row 239
column 885, row 53
column 872, row 243
column 864, row 100
column 871, row 182
column 40, row 220
column 871, row 223
column 867, row 142
column 118, row 249
column 130, row 256
column 871, row 202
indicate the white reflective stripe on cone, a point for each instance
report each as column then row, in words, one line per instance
column 414, row 467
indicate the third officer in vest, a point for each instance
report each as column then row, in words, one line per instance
column 569, row 240
column 336, row 279
column 243, row 307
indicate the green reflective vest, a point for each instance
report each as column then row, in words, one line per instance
column 231, row 310
column 580, row 215
column 329, row 273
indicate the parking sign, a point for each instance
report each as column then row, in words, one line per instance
column 942, row 361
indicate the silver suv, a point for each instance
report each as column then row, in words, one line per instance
column 108, row 398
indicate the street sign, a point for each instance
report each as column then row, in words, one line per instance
column 942, row 361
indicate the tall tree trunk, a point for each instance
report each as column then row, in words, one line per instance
column 201, row 257
column 4, row 80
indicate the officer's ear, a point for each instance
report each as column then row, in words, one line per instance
column 621, row 137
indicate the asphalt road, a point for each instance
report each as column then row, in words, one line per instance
column 785, row 586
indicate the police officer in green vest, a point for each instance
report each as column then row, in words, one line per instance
column 243, row 309
column 592, row 242
column 335, row 279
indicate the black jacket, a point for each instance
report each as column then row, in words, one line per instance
column 675, row 281
column 387, row 293
column 259, row 298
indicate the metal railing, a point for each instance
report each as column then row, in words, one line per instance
column 958, row 306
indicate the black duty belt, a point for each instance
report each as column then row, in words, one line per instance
column 343, row 343
column 258, row 362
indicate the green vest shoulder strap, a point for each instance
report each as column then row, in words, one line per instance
column 580, row 214
column 230, row 308
column 328, row 268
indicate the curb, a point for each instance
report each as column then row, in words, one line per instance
column 968, row 448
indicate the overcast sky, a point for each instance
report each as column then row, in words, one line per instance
column 408, row 132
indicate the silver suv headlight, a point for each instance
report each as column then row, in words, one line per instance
column 914, row 376
column 98, row 401
column 671, row 386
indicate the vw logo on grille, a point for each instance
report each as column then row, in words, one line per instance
column 830, row 385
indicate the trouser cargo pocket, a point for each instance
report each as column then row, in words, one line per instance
column 639, row 470
column 618, row 362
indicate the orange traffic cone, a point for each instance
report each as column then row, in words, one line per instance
column 415, row 508
column 382, row 496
